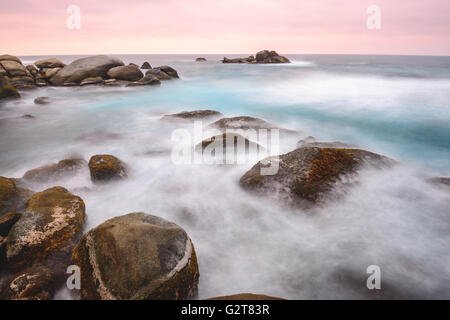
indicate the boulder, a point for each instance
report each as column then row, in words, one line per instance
column 169, row 70
column 14, row 68
column 306, row 175
column 9, row 196
column 49, row 63
column 92, row 80
column 51, row 224
column 266, row 56
column 9, row 57
column 193, row 115
column 22, row 82
column 32, row 70
column 158, row 73
column 137, row 256
column 246, row 296
column 128, row 73
column 32, row 283
column 148, row 80
column 41, row 82
column 93, row 66
column 7, row 91
column 43, row 100
column 48, row 73
column 3, row 72
column 64, row 168
column 200, row 59
column 105, row 167
column 146, row 65
column 334, row 144
column 221, row 141
column 7, row 221
column 242, row 122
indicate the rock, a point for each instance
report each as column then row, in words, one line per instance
column 2, row 252
column 334, row 144
column 27, row 116
column 80, row 69
column 14, row 68
column 146, row 65
column 200, row 59
column 129, row 73
column 193, row 115
column 264, row 56
column 137, row 256
column 51, row 224
column 148, row 80
column 104, row 167
column 49, row 63
column 306, row 175
column 7, row 91
column 32, row 70
column 161, row 75
column 246, row 296
column 50, row 72
column 63, row 168
column 242, row 122
column 221, row 141
column 9, row 196
column 43, row 100
column 3, row 72
column 35, row 282
column 169, row 70
column 41, row 83
column 7, row 221
column 22, row 82
column 92, row 80
column 9, row 57
column 440, row 181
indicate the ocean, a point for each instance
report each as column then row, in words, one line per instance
column 398, row 106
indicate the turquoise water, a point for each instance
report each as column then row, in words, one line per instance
column 398, row 106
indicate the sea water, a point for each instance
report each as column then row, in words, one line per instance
column 398, row 106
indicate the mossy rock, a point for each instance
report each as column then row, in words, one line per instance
column 105, row 167
column 9, row 195
column 32, row 283
column 7, row 221
column 63, row 168
column 52, row 222
column 137, row 256
column 306, row 175
column 9, row 92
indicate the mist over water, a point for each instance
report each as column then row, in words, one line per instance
column 395, row 106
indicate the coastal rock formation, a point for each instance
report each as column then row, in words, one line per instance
column 63, row 168
column 200, row 59
column 35, row 283
column 80, row 69
column 92, row 80
column 193, row 115
column 49, row 63
column 246, row 296
column 51, row 223
column 129, row 73
column 137, row 256
column 7, row 221
column 158, row 73
column 146, row 65
column 148, row 80
column 306, row 175
column 105, row 167
column 169, row 70
column 264, row 56
column 17, row 75
column 4, row 57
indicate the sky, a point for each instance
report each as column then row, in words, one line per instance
column 39, row 27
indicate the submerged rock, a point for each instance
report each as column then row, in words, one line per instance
column 51, row 224
column 128, row 73
column 35, row 283
column 63, row 168
column 440, row 181
column 193, row 115
column 146, row 65
column 43, row 100
column 105, row 167
column 137, row 256
column 221, row 141
column 306, row 175
column 200, row 59
column 80, row 69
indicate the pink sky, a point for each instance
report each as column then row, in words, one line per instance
column 38, row 27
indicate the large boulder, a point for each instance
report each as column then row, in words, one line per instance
column 266, row 56
column 306, row 175
column 14, row 68
column 137, row 256
column 105, row 167
column 51, row 224
column 83, row 68
column 49, row 63
column 34, row 283
column 169, row 70
column 158, row 73
column 63, row 168
column 193, row 115
column 4, row 57
column 129, row 73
